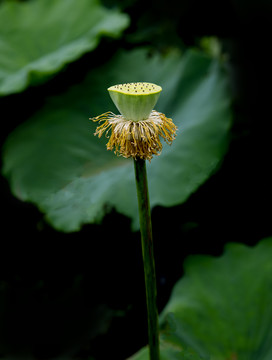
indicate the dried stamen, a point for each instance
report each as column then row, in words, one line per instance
column 137, row 139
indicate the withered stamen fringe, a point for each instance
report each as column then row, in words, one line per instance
column 137, row 139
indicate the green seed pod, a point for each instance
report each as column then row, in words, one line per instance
column 135, row 101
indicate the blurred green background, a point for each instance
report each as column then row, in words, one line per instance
column 80, row 295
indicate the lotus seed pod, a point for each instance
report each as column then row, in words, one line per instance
column 138, row 131
column 135, row 101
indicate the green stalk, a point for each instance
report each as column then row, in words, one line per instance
column 148, row 258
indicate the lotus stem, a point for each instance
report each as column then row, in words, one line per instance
column 148, row 257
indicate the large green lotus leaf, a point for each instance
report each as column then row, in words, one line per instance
column 38, row 37
column 169, row 350
column 55, row 161
column 222, row 307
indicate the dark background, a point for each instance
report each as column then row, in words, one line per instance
column 58, row 292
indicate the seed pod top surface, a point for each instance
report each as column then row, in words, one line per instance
column 137, row 88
